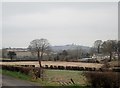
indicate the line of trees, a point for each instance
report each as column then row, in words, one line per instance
column 41, row 48
column 106, row 47
column 71, row 55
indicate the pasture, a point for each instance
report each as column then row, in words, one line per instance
column 64, row 77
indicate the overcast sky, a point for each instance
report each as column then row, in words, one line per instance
column 60, row 22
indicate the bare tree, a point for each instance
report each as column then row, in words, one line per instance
column 39, row 46
column 109, row 46
column 97, row 44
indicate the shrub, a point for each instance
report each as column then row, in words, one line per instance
column 26, row 65
column 31, row 65
column 32, row 71
column 68, row 68
column 35, row 72
column 94, row 69
column 81, row 68
column 103, row 79
column 51, row 66
column 86, row 68
column 46, row 66
column 55, row 67
column 89, row 69
column 17, row 69
column 75, row 68
column 25, row 70
column 61, row 67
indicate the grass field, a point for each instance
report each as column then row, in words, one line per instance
column 53, row 77
column 65, row 76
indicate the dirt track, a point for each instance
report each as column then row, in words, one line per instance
column 80, row 64
column 10, row 81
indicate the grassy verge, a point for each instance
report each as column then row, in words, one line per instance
column 52, row 77
column 17, row 75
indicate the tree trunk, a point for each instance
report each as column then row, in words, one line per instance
column 110, row 56
column 41, row 56
column 39, row 59
column 41, row 69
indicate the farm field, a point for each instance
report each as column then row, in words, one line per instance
column 63, row 77
column 52, row 77
column 56, row 63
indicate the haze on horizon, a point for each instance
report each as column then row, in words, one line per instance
column 61, row 23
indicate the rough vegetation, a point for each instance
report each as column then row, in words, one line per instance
column 103, row 79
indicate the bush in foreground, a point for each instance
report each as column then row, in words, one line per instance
column 103, row 79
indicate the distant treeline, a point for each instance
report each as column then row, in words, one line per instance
column 107, row 48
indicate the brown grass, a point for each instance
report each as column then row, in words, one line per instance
column 57, row 63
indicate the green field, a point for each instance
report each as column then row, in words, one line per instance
column 53, row 78
column 65, row 76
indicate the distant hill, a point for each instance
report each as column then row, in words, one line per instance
column 56, row 48
column 69, row 47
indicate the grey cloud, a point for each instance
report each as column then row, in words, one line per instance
column 80, row 23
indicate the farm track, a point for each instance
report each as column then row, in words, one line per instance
column 10, row 82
